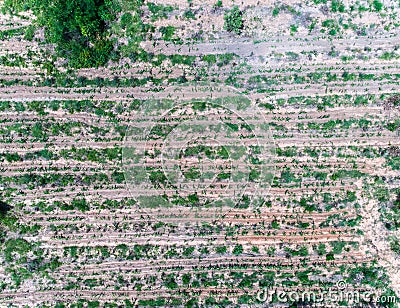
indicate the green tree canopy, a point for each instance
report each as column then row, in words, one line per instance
column 79, row 28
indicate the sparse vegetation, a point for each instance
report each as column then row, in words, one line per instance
column 201, row 228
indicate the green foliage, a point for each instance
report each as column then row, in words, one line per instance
column 234, row 20
column 330, row 257
column 391, row 215
column 157, row 177
column 79, row 28
column 193, row 199
column 80, row 204
column 6, row 220
column 366, row 274
column 394, row 244
column 293, row 29
column 18, row 246
column 341, row 174
column 167, row 32
column 4, row 208
column 337, row 247
column 12, row 157
column 377, row 5
column 220, row 249
column 126, row 20
column 170, row 283
column 186, row 279
column 302, row 251
column 238, row 249
column 6, row 34
column 275, row 224
column 337, row 6
column 224, row 175
column 118, row 177
column 210, row 59
column 388, row 56
column 188, row 251
column 15, row 6
column 159, row 11
column 218, row 4
column 29, row 33
column 393, row 126
column 321, row 249
column 267, row 280
column 288, row 152
column 254, row 175
column 189, row 14
column 255, row 249
column 152, row 302
column 303, row 277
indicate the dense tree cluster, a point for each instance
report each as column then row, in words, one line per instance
column 4, row 208
column 4, row 219
column 78, row 28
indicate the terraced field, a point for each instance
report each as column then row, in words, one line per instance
column 324, row 76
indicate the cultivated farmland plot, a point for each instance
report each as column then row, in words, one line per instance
column 199, row 153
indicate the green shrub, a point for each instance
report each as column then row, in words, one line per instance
column 275, row 224
column 126, row 20
column 220, row 249
column 4, row 208
column 234, row 20
column 337, row 6
column 321, row 249
column 167, row 32
column 19, row 245
column 29, row 33
column 237, row 250
column 377, row 5
column 394, row 244
column 330, row 257
column 188, row 251
column 189, row 14
column 170, row 282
